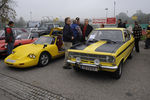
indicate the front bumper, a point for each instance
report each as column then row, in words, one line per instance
column 92, row 65
column 21, row 63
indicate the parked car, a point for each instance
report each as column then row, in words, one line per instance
column 16, row 31
column 38, row 53
column 106, row 50
column 46, row 28
column 21, row 39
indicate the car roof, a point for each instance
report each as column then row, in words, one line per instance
column 121, row 29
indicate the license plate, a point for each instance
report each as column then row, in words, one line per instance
column 95, row 69
column 11, row 61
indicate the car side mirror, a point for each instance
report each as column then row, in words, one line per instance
column 45, row 45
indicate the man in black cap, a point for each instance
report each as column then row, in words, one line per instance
column 9, row 37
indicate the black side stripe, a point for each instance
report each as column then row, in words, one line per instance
column 125, row 49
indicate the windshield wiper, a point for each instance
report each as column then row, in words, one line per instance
column 108, row 40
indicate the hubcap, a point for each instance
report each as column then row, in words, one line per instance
column 44, row 59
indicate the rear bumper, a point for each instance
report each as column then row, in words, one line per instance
column 92, row 65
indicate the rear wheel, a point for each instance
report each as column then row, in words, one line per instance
column 117, row 74
column 44, row 59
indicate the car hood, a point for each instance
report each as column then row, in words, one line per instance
column 25, row 50
column 100, row 46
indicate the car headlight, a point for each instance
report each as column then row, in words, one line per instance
column 96, row 61
column 110, row 59
column 32, row 56
column 78, row 59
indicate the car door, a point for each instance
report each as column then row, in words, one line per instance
column 128, row 43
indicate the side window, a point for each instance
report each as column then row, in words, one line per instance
column 127, row 35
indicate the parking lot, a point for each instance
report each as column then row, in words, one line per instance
column 133, row 85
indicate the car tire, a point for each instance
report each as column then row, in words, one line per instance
column 44, row 59
column 118, row 73
column 76, row 68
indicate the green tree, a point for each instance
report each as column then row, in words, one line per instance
column 7, row 11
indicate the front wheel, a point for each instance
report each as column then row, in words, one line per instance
column 44, row 59
column 76, row 68
column 117, row 74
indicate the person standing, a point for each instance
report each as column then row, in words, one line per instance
column 120, row 25
column 76, row 31
column 137, row 32
column 124, row 25
column 67, row 39
column 147, row 42
column 86, row 30
column 9, row 37
column 79, row 23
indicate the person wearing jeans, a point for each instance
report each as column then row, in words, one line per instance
column 9, row 37
column 67, row 39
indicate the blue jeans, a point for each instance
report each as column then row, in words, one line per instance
column 10, row 47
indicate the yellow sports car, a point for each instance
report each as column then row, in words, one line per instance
column 39, row 53
column 105, row 50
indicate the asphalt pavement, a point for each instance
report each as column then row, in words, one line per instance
column 133, row 85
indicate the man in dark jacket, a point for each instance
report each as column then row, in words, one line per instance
column 86, row 30
column 124, row 25
column 67, row 38
column 137, row 32
column 76, row 32
column 120, row 25
column 9, row 37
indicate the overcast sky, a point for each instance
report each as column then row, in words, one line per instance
column 81, row 8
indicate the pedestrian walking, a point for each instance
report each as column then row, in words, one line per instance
column 147, row 42
column 86, row 30
column 120, row 25
column 137, row 32
column 9, row 37
column 76, row 32
column 124, row 25
column 67, row 39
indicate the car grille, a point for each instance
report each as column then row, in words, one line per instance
column 89, row 57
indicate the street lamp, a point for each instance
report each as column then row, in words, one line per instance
column 114, row 9
column 106, row 12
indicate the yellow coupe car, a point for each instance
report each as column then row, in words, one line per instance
column 39, row 53
column 105, row 50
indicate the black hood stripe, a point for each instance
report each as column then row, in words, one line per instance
column 109, row 47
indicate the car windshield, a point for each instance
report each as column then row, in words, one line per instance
column 44, row 40
column 111, row 35
column 23, row 36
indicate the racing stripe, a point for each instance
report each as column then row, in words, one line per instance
column 94, row 46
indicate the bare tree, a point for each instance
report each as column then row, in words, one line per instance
column 7, row 11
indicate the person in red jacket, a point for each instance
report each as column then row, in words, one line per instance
column 9, row 37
